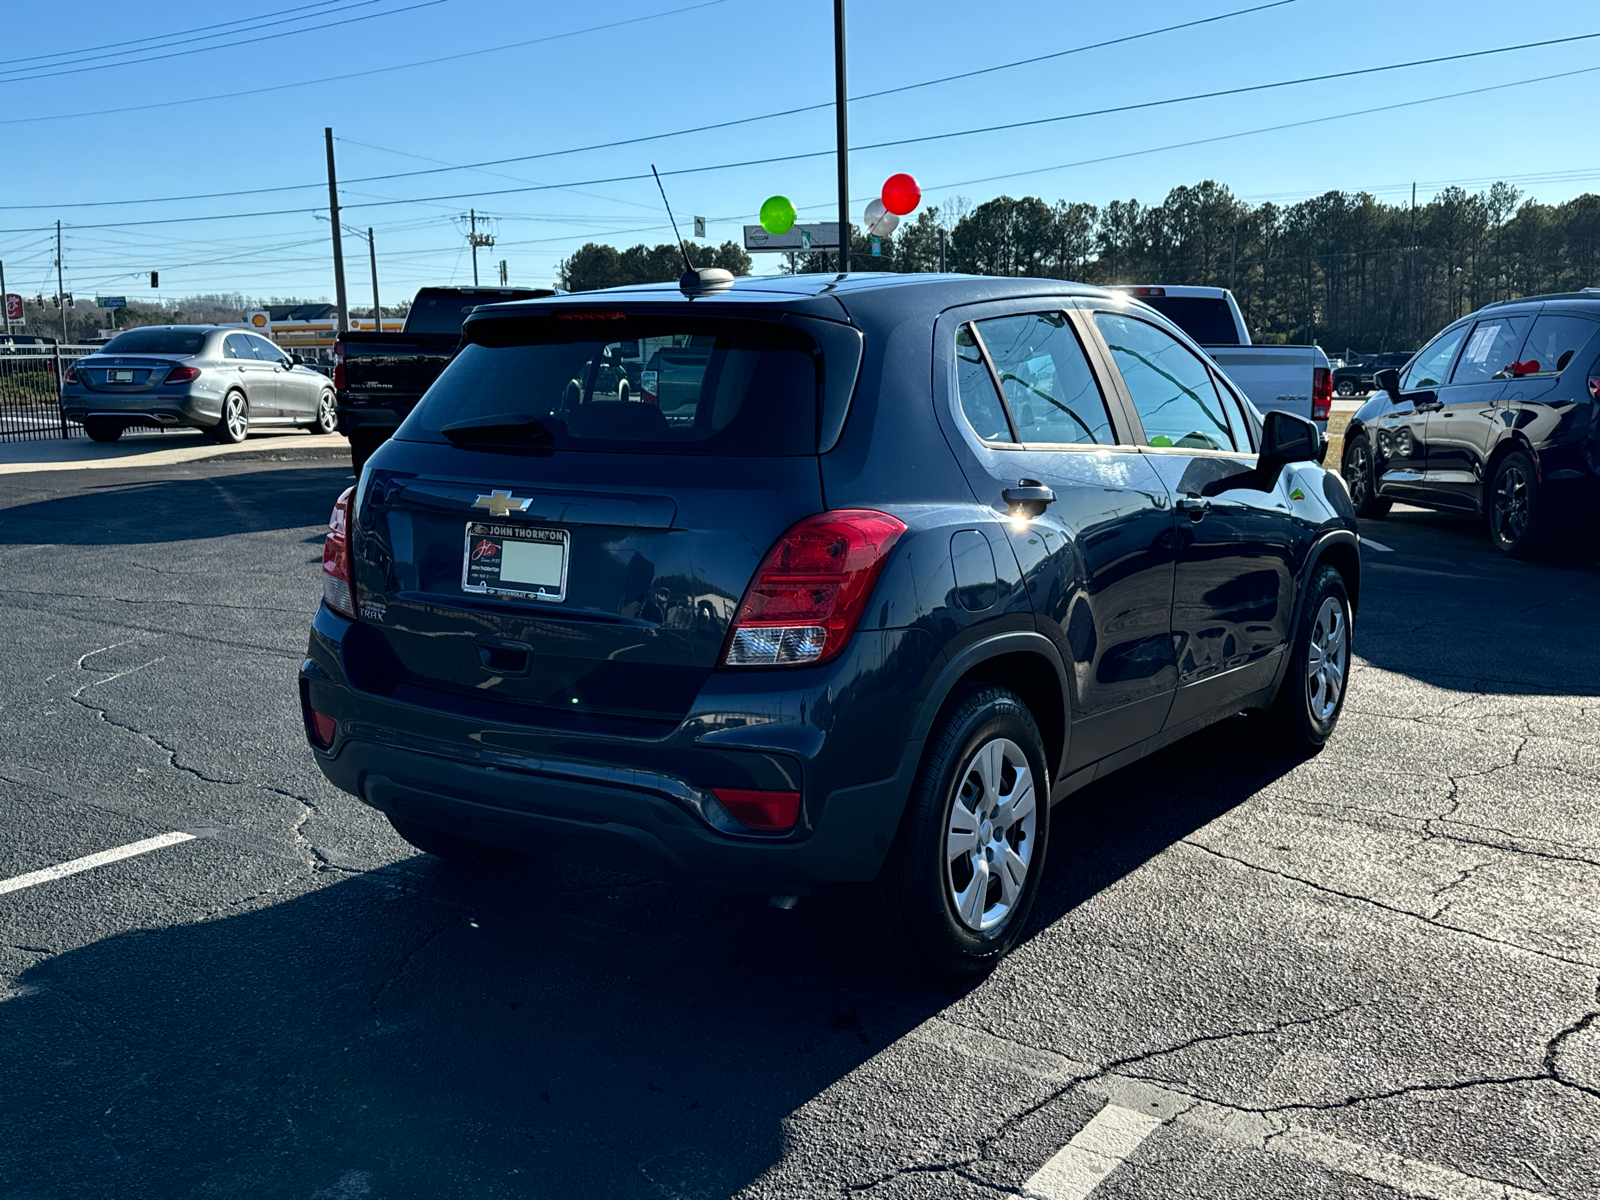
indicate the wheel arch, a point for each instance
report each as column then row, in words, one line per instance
column 1341, row 550
column 1025, row 662
column 1508, row 445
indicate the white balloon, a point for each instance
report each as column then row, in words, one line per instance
column 880, row 221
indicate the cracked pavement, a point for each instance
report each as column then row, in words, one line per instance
column 1372, row 973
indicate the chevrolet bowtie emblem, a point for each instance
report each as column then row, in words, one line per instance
column 502, row 504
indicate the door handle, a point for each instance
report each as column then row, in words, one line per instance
column 1196, row 506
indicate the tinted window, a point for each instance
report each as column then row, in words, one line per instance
column 1554, row 340
column 1208, row 320
column 1238, row 418
column 156, row 341
column 1432, row 367
column 1171, row 388
column 265, row 350
column 1491, row 348
column 1046, row 380
column 236, row 345
column 755, row 391
column 979, row 401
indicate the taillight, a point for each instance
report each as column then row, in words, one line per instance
column 72, row 373
column 338, row 365
column 1321, row 393
column 338, row 582
column 1594, row 385
column 770, row 811
column 809, row 593
column 182, row 375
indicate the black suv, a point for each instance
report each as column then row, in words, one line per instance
column 922, row 556
column 1496, row 417
column 1358, row 375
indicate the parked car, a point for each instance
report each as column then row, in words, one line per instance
column 931, row 554
column 380, row 376
column 210, row 377
column 1295, row 379
column 1496, row 416
column 1356, row 377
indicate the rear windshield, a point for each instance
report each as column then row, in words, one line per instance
column 678, row 385
column 156, row 341
column 444, row 314
column 1208, row 320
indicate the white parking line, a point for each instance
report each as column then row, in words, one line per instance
column 1372, row 545
column 90, row 861
column 1097, row 1150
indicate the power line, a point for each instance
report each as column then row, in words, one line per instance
column 156, row 37
column 340, row 78
column 269, row 37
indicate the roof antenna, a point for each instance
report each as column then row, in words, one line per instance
column 704, row 281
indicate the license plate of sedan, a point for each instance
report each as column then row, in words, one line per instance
column 119, row 376
column 515, row 560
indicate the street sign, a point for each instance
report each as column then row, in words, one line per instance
column 111, row 301
column 822, row 236
column 699, row 227
column 14, row 308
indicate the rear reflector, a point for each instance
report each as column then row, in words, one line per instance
column 338, row 584
column 323, row 728
column 182, row 375
column 811, row 589
column 769, row 811
column 1321, row 393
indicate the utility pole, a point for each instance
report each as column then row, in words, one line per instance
column 1411, row 263
column 844, row 135
column 5, row 312
column 377, row 306
column 944, row 257
column 472, row 239
column 338, row 242
column 61, row 288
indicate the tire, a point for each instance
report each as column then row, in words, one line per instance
column 622, row 393
column 1346, row 388
column 449, row 847
column 102, row 431
column 1515, row 509
column 234, row 425
column 327, row 418
column 1306, row 710
column 1361, row 480
column 930, row 905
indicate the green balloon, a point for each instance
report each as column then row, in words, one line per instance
column 777, row 214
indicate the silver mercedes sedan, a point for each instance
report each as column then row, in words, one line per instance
column 210, row 377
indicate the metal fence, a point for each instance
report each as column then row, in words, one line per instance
column 30, row 391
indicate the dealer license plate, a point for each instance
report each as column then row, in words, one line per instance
column 119, row 376
column 515, row 560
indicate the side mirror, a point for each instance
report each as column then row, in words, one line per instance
column 296, row 361
column 1286, row 438
column 1389, row 380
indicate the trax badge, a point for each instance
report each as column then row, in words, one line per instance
column 502, row 504
column 1297, row 494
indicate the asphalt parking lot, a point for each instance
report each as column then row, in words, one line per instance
column 1369, row 974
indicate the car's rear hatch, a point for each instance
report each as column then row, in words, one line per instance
column 531, row 551
column 125, row 374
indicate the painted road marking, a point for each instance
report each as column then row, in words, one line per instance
column 1372, row 545
column 90, row 861
column 1098, row 1149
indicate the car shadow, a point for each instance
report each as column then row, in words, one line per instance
column 544, row 1031
column 187, row 502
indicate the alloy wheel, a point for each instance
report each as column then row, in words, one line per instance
column 1355, row 474
column 991, row 837
column 233, row 414
column 326, row 418
column 1511, row 504
column 1327, row 659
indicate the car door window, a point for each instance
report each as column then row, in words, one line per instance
column 1046, row 380
column 1551, row 344
column 1170, row 386
column 237, row 346
column 1491, row 349
column 1238, row 420
column 265, row 350
column 1432, row 366
column 980, row 403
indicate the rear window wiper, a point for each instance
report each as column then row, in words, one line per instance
column 518, row 429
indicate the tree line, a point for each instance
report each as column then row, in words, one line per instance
column 1343, row 269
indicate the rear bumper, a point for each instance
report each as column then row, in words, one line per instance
column 174, row 409
column 647, row 804
column 376, row 420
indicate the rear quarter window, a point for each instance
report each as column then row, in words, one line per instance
column 672, row 385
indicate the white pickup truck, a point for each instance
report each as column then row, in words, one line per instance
column 1292, row 378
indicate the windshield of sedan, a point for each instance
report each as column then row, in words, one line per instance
column 157, row 341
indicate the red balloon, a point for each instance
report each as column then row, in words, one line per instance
column 901, row 194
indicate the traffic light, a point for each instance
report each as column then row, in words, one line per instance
column 155, row 278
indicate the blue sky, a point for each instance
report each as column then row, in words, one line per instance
column 703, row 63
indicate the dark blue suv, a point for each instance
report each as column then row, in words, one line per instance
column 921, row 556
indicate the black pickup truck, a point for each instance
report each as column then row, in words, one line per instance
column 379, row 377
